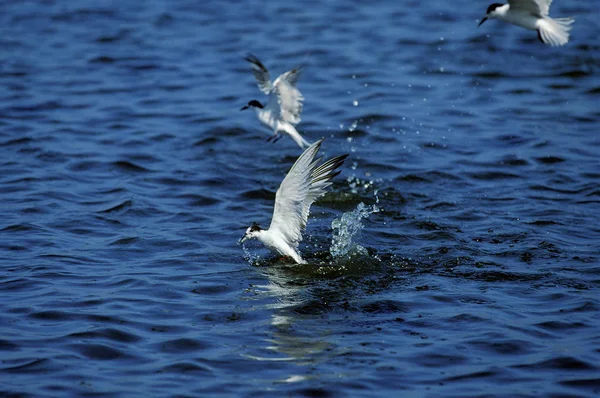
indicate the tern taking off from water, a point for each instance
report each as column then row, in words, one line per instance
column 532, row 14
column 306, row 181
column 282, row 111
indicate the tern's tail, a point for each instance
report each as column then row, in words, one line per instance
column 296, row 136
column 554, row 32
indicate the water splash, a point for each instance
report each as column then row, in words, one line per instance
column 252, row 258
column 346, row 228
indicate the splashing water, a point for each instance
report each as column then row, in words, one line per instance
column 346, row 228
column 252, row 258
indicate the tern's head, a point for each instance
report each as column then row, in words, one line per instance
column 492, row 12
column 253, row 104
column 252, row 232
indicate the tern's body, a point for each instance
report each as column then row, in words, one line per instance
column 282, row 111
column 533, row 15
column 306, row 181
column 276, row 241
column 271, row 119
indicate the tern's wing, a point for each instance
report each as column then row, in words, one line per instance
column 260, row 73
column 537, row 7
column 289, row 97
column 303, row 184
column 320, row 180
column 289, row 199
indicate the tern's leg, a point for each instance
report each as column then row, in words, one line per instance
column 277, row 137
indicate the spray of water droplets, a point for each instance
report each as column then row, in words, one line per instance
column 346, row 229
column 252, row 259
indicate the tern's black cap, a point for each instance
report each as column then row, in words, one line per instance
column 255, row 227
column 255, row 103
column 492, row 7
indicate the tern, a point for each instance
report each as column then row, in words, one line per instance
column 532, row 14
column 284, row 106
column 304, row 183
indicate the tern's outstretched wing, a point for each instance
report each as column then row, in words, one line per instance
column 288, row 97
column 536, row 7
column 305, row 182
column 260, row 73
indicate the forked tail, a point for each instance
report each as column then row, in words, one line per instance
column 555, row 32
column 298, row 139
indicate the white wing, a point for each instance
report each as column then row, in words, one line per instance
column 304, row 183
column 289, row 97
column 537, row 7
column 260, row 73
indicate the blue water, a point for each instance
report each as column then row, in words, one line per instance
column 128, row 174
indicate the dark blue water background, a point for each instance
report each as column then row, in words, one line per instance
column 128, row 174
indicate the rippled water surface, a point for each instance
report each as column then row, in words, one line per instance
column 128, row 174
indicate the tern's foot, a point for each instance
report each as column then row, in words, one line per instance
column 277, row 137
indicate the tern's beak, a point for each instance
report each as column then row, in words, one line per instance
column 246, row 107
column 482, row 21
column 244, row 238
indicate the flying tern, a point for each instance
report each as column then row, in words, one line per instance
column 306, row 181
column 532, row 14
column 282, row 111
